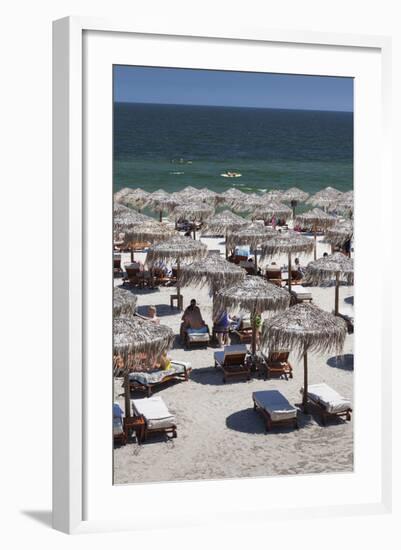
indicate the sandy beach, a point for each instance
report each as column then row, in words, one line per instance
column 219, row 433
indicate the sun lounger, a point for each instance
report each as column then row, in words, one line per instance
column 156, row 415
column 301, row 294
column 195, row 337
column 232, row 362
column 277, row 364
column 273, row 275
column 244, row 331
column 275, row 409
column 117, row 264
column 119, row 435
column 148, row 381
column 329, row 403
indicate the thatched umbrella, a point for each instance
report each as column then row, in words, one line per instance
column 125, row 218
column 304, row 328
column 252, row 235
column 209, row 196
column 268, row 209
column 315, row 220
column 337, row 266
column 247, row 203
column 231, row 195
column 135, row 198
column 294, row 196
column 124, row 302
column 222, row 224
column 176, row 249
column 161, row 200
column 345, row 204
column 255, row 295
column 192, row 211
column 133, row 336
column 214, row 271
column 339, row 233
column 118, row 195
column 287, row 243
column 325, row 198
column 272, row 195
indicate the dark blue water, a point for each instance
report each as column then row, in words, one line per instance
column 271, row 148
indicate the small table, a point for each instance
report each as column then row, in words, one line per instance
column 179, row 300
column 137, row 424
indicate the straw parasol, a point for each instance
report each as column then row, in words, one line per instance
column 253, row 235
column 124, row 302
column 192, row 211
column 325, row 198
column 248, row 202
column 269, row 209
column 255, row 295
column 294, row 196
column 133, row 336
column 304, row 328
column 136, row 198
column 176, row 249
column 339, row 233
column 213, row 270
column 315, row 220
column 209, row 196
column 273, row 194
column 148, row 232
column 231, row 195
column 161, row 200
column 118, row 195
column 337, row 266
column 287, row 243
column 125, row 218
column 345, row 204
column 222, row 224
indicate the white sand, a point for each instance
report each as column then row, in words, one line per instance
column 219, row 434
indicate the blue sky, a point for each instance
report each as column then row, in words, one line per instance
column 231, row 89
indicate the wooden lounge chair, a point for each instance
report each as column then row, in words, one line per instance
column 329, row 403
column 277, row 364
column 196, row 337
column 274, row 276
column 156, row 416
column 244, row 332
column 233, row 363
column 300, row 294
column 119, row 435
column 147, row 382
column 276, row 411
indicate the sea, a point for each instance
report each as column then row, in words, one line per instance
column 172, row 146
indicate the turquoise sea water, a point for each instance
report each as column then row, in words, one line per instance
column 271, row 148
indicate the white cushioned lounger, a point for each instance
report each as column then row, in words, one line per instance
column 301, row 292
column 332, row 401
column 155, row 412
column 229, row 350
column 275, row 404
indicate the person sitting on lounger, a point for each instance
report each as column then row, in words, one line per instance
column 192, row 318
column 222, row 323
column 164, row 362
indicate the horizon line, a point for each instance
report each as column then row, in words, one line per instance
column 235, row 106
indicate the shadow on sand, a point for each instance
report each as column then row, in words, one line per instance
column 162, row 310
column 349, row 300
column 344, row 362
column 250, row 421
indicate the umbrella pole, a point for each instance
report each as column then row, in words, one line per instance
column 289, row 272
column 132, row 252
column 127, row 399
column 254, row 333
column 293, row 204
column 337, row 292
column 226, row 245
column 161, row 216
column 256, row 259
column 305, row 394
column 178, row 285
column 314, row 248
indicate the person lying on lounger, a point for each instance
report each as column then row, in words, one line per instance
column 191, row 319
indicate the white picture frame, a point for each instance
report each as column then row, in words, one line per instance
column 72, row 340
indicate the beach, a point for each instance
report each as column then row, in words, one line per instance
column 219, row 435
